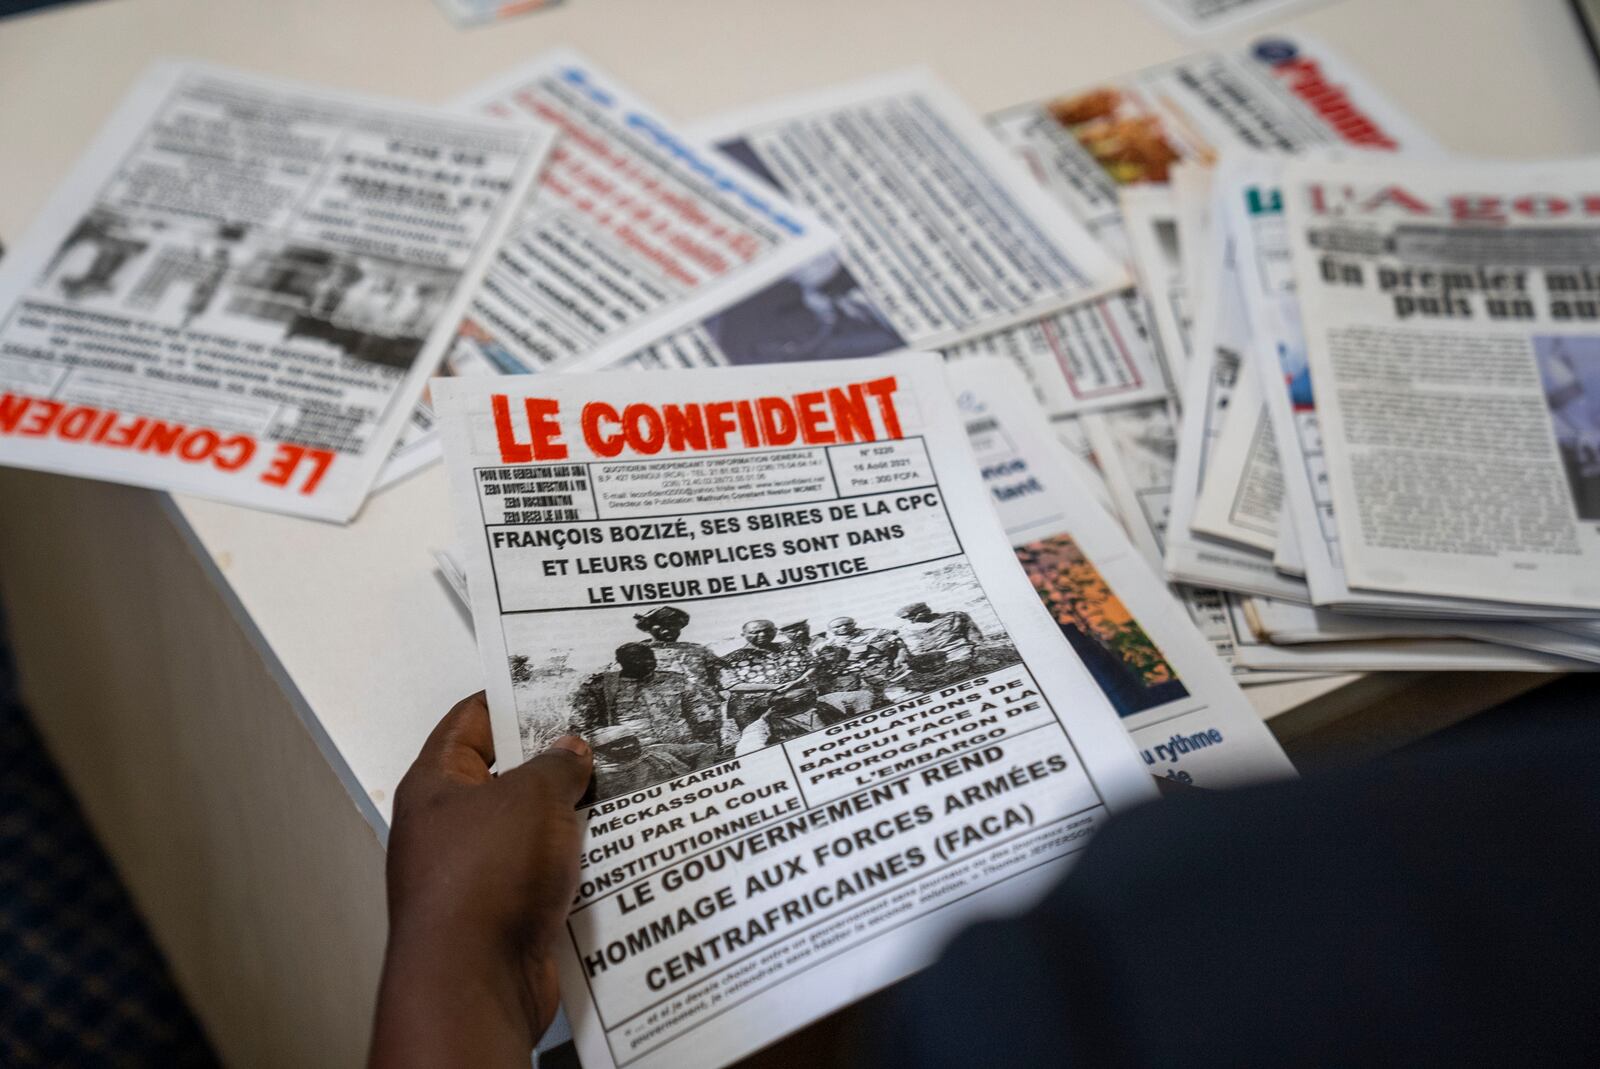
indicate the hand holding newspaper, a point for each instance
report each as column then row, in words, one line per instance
column 832, row 719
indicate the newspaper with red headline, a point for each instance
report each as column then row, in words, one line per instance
column 832, row 719
column 634, row 233
column 242, row 287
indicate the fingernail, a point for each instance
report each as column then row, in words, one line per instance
column 571, row 744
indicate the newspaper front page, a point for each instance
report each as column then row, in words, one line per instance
column 1255, row 217
column 1449, row 319
column 241, row 288
column 632, row 231
column 832, row 719
column 1281, row 93
column 1185, row 713
column 947, row 234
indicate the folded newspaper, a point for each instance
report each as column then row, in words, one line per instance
column 242, row 288
column 832, row 717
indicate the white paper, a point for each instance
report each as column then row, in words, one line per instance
column 829, row 798
column 1445, row 312
column 631, row 233
column 943, row 229
column 241, row 288
column 1176, row 698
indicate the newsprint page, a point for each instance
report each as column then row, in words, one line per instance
column 832, row 719
column 1452, row 327
column 630, row 231
column 241, row 289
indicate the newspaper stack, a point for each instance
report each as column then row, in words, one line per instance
column 1406, row 461
column 959, row 474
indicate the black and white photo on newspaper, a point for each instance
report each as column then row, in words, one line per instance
column 633, row 233
column 832, row 718
column 1449, row 316
column 242, row 287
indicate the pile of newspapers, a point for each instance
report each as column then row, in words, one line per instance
column 861, row 477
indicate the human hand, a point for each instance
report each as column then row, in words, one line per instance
column 482, row 870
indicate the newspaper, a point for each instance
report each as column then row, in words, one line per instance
column 1184, row 711
column 832, row 719
column 1283, row 624
column 241, row 288
column 1221, row 344
column 1101, row 354
column 1253, row 212
column 1280, row 93
column 944, row 230
column 1155, row 239
column 1242, row 496
column 631, row 232
column 1405, row 654
column 1135, row 447
column 1203, row 17
column 1446, row 313
column 916, row 250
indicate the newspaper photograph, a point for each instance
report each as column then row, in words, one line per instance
column 1282, row 93
column 816, row 312
column 241, row 288
column 1448, row 318
column 948, row 235
column 1185, row 713
column 832, row 719
column 631, row 231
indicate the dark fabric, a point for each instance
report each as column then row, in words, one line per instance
column 1438, row 907
column 80, row 982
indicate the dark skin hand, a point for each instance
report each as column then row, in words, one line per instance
column 482, row 870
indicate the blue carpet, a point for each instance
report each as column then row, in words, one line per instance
column 81, row 984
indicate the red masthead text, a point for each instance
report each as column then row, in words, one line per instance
column 859, row 412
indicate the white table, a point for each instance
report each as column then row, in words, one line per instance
column 234, row 695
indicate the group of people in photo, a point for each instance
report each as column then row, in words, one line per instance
column 670, row 705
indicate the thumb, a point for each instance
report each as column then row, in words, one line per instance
column 559, row 775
